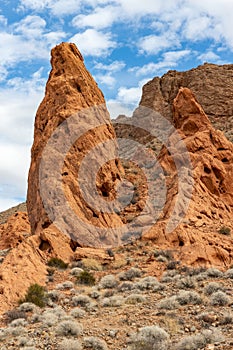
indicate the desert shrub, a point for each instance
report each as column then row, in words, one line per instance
column 135, row 299
column 77, row 312
column 27, row 307
column 24, row 341
column 95, row 343
column 229, row 273
column 193, row 271
column 49, row 318
column 36, row 295
column 66, row 328
column 91, row 264
column 95, row 294
column 81, row 300
column 86, row 278
column 65, row 285
column 165, row 253
column 172, row 265
column 226, row 318
column 125, row 286
column 130, row 274
column 15, row 331
column 186, row 282
column 59, row 312
column 212, row 287
column 108, row 281
column 114, row 301
column 149, row 338
column 200, row 340
column 70, row 344
column 161, row 258
column 147, row 283
column 18, row 322
column 186, row 297
column 58, row 263
column 14, row 314
column 76, row 271
column 169, row 303
column 54, row 295
column 213, row 272
column 224, row 230
column 219, row 298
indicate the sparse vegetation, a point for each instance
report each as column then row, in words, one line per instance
column 36, row 295
column 199, row 341
column 219, row 298
column 149, row 338
column 95, row 343
column 67, row 328
column 86, row 278
column 224, row 230
column 57, row 263
column 130, row 274
column 70, row 344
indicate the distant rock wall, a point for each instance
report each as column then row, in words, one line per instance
column 212, row 85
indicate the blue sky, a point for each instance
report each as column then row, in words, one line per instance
column 125, row 43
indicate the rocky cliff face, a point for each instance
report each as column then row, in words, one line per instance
column 69, row 90
column 212, row 85
column 211, row 200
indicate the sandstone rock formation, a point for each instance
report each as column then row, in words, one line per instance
column 212, row 85
column 211, row 202
column 69, row 90
column 24, row 257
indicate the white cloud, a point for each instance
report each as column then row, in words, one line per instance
column 58, row 7
column 101, row 18
column 153, row 44
column 94, row 43
column 115, row 66
column 3, row 20
column 117, row 108
column 26, row 40
column 170, row 59
column 141, row 8
column 106, row 79
column 18, row 104
column 129, row 96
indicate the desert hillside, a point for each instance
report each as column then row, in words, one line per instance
column 136, row 252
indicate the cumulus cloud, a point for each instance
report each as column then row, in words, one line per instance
column 100, row 18
column 170, row 60
column 153, row 44
column 94, row 43
column 18, row 103
column 26, row 40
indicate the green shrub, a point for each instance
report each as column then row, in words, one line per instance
column 224, row 230
column 58, row 263
column 86, row 278
column 35, row 294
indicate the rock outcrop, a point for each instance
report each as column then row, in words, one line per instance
column 211, row 201
column 212, row 85
column 69, row 90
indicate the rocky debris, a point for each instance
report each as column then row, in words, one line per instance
column 69, row 90
column 14, row 231
column 211, row 200
column 24, row 256
column 4, row 215
column 212, row 85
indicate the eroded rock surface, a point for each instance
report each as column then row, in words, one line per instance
column 212, row 85
column 211, row 200
column 69, row 90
